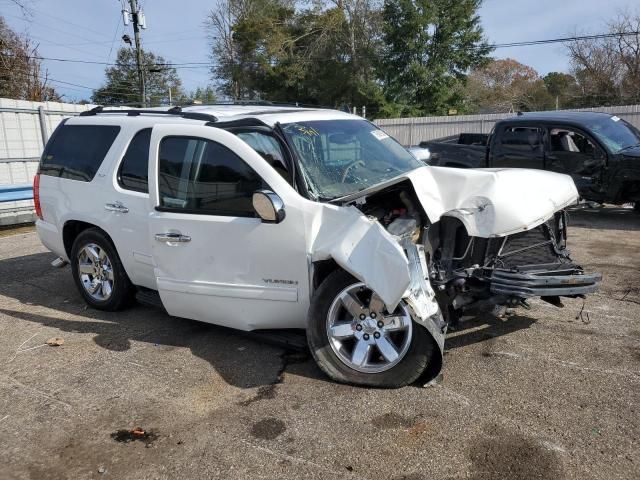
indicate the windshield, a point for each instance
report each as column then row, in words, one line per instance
column 615, row 133
column 339, row 157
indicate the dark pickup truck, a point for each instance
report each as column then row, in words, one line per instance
column 600, row 151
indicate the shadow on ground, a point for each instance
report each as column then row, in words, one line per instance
column 605, row 218
column 241, row 359
column 469, row 331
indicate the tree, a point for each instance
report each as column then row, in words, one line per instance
column 562, row 88
column 607, row 70
column 507, row 86
column 628, row 52
column 233, row 61
column 21, row 75
column 324, row 53
column 429, row 47
column 121, row 86
column 206, row 95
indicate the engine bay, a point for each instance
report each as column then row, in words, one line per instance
column 465, row 270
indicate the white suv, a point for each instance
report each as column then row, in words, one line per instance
column 263, row 217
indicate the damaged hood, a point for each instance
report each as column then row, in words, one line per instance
column 489, row 202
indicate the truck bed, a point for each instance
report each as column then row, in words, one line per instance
column 465, row 150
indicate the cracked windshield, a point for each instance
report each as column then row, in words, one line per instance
column 339, row 157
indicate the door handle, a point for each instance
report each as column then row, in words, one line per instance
column 172, row 237
column 116, row 207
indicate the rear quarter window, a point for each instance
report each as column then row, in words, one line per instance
column 77, row 151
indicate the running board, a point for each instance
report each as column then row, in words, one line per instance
column 149, row 297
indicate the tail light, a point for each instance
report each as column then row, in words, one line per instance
column 36, row 195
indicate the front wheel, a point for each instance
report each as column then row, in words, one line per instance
column 355, row 340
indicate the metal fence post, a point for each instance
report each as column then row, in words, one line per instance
column 43, row 125
column 411, row 132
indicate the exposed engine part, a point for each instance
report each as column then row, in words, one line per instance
column 470, row 272
column 405, row 226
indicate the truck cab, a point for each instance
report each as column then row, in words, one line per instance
column 600, row 152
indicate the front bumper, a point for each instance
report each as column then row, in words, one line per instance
column 567, row 281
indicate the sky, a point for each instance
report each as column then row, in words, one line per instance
column 92, row 30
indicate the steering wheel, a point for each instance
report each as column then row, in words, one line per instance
column 349, row 167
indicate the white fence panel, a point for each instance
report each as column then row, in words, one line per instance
column 24, row 128
column 412, row 131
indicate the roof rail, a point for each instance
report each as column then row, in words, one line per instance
column 177, row 111
column 258, row 103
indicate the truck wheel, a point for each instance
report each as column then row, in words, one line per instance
column 355, row 340
column 98, row 272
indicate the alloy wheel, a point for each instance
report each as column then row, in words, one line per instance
column 95, row 271
column 363, row 335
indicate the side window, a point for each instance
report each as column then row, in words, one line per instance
column 269, row 149
column 201, row 176
column 77, row 151
column 133, row 172
column 569, row 141
column 521, row 139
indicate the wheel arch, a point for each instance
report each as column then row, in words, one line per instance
column 321, row 269
column 72, row 228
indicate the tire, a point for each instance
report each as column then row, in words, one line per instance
column 120, row 292
column 415, row 354
column 636, row 207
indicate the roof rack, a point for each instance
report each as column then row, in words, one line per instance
column 263, row 103
column 177, row 111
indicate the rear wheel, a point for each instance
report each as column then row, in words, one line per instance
column 98, row 272
column 354, row 339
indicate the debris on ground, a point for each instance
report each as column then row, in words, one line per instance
column 435, row 382
column 55, row 341
column 137, row 433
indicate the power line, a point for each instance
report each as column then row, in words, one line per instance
column 563, row 40
column 494, row 46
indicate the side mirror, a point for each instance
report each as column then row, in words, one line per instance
column 268, row 206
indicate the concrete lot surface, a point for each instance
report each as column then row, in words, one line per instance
column 546, row 394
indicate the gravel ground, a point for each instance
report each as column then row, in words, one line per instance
column 547, row 394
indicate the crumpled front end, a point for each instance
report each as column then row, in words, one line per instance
column 387, row 260
column 445, row 247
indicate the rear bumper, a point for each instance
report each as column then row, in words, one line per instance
column 51, row 238
column 566, row 282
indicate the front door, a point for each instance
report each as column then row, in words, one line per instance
column 572, row 152
column 216, row 261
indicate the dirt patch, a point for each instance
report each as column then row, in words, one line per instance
column 16, row 230
column 635, row 352
column 410, row 476
column 266, row 392
column 391, row 420
column 505, row 454
column 268, row 429
column 269, row 392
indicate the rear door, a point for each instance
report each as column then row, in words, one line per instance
column 127, row 209
column 216, row 261
column 519, row 147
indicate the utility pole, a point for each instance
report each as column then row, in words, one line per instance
column 135, row 18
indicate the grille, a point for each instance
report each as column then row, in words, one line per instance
column 517, row 250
